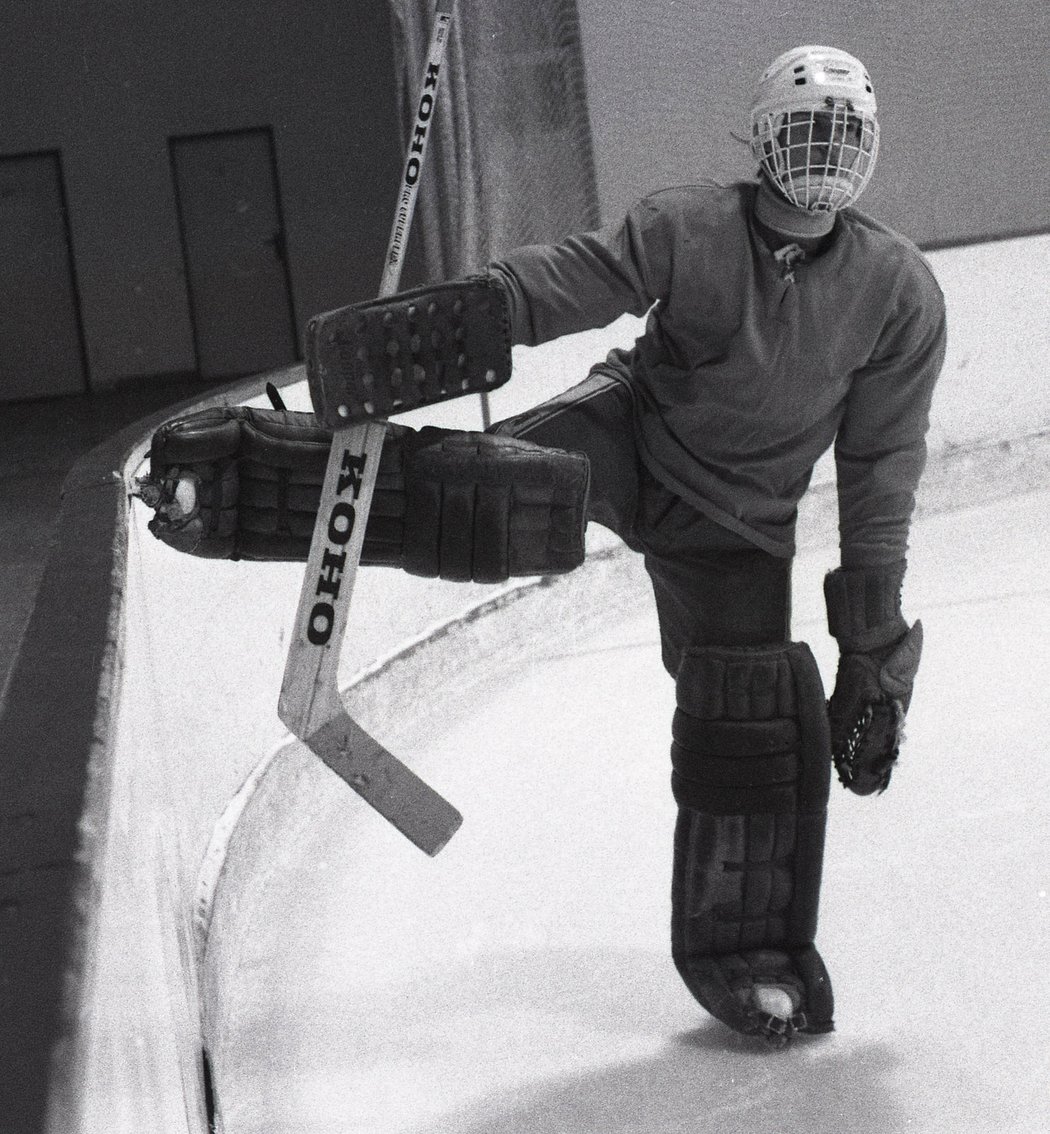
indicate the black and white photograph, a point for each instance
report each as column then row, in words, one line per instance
column 524, row 567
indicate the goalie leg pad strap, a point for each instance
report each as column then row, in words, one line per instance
column 751, row 761
column 449, row 504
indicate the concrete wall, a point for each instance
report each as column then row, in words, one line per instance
column 963, row 155
column 107, row 85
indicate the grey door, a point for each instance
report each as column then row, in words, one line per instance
column 41, row 351
column 233, row 242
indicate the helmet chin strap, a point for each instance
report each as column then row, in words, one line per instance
column 783, row 217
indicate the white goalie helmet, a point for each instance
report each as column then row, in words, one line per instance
column 813, row 127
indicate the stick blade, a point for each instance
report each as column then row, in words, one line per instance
column 420, row 813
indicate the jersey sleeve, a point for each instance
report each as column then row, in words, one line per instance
column 880, row 448
column 589, row 280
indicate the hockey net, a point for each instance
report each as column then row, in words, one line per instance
column 510, row 159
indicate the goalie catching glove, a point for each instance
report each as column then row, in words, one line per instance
column 879, row 658
column 240, row 483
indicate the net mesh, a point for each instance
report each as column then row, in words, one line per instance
column 509, row 159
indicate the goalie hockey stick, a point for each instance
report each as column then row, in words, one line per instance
column 310, row 704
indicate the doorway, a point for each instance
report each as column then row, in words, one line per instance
column 229, row 211
column 41, row 340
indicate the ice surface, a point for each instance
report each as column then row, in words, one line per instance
column 522, row 980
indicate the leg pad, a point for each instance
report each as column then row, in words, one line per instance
column 751, row 761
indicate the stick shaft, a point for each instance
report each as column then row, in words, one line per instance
column 309, row 692
column 310, row 704
column 418, row 140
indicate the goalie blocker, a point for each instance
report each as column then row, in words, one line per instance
column 241, row 483
column 415, row 348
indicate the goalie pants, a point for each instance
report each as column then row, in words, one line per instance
column 751, row 753
column 711, row 586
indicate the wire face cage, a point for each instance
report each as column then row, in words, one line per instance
column 821, row 159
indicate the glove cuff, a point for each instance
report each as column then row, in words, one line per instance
column 864, row 606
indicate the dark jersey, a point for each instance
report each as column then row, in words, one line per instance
column 749, row 370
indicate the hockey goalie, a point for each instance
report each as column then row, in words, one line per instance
column 781, row 322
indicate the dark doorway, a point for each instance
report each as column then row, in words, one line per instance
column 41, row 345
column 233, row 243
